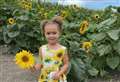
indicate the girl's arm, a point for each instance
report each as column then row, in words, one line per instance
column 64, row 69
column 39, row 66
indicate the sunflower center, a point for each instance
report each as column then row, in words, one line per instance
column 96, row 16
column 87, row 47
column 25, row 59
column 83, row 27
column 59, row 55
column 11, row 20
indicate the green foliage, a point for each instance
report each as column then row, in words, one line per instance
column 104, row 33
column 113, row 62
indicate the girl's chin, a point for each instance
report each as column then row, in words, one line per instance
column 52, row 42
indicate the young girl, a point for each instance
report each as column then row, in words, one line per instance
column 53, row 55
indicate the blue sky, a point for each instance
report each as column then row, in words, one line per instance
column 92, row 4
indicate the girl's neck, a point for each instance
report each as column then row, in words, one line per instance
column 53, row 46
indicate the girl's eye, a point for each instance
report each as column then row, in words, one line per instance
column 48, row 33
column 54, row 32
column 51, row 33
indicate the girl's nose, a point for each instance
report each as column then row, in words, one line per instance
column 51, row 35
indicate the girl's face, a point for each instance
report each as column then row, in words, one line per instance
column 52, row 33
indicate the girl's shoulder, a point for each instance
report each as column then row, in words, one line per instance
column 43, row 46
column 64, row 47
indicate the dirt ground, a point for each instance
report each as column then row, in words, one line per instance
column 9, row 72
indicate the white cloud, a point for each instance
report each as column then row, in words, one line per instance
column 71, row 2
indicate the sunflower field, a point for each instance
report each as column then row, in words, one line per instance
column 91, row 36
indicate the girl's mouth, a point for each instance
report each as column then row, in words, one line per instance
column 51, row 38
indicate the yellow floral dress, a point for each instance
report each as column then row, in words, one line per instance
column 52, row 62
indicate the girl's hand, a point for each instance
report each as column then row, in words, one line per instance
column 32, row 69
column 56, row 75
column 37, row 66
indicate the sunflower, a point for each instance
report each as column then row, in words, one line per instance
column 11, row 21
column 83, row 27
column 44, row 74
column 42, row 80
column 55, row 80
column 29, row 4
column 24, row 59
column 26, row 4
column 96, row 16
column 23, row 2
column 64, row 14
column 74, row 6
column 86, row 46
column 40, row 10
column 54, row 67
column 27, row 7
column 59, row 54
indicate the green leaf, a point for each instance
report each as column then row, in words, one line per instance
column 104, row 49
column 23, row 17
column 13, row 34
column 116, row 46
column 97, row 37
column 20, row 26
column 113, row 62
column 93, row 72
column 76, row 71
column 80, row 63
column 102, row 72
column 92, row 28
column 114, row 34
column 12, row 30
column 6, row 38
column 112, row 20
column 118, row 68
column 51, row 14
column 74, row 45
column 16, row 12
column 31, row 34
column 107, row 22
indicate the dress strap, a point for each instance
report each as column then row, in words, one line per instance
column 43, row 51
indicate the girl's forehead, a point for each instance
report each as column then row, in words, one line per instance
column 51, row 27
